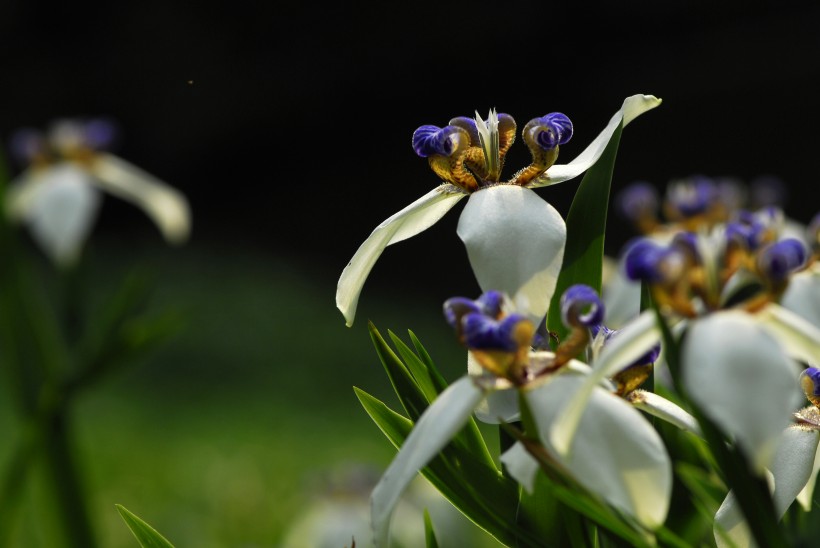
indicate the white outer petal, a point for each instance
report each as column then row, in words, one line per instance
column 664, row 409
column 807, row 494
column 791, row 470
column 165, row 205
column 617, row 454
column 521, row 466
column 793, row 465
column 803, row 294
column 60, row 205
column 498, row 404
column 448, row 413
column 741, row 379
column 799, row 338
column 632, row 342
column 415, row 218
column 515, row 242
column 621, row 297
column 632, row 107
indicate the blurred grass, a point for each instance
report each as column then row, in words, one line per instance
column 221, row 437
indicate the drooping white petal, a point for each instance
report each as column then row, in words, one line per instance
column 791, row 469
column 805, row 497
column 521, row 466
column 803, row 294
column 741, row 379
column 793, row 465
column 617, row 454
column 60, row 205
column 515, row 242
column 415, row 218
column 165, row 205
column 798, row 337
column 499, row 405
column 441, row 421
column 632, row 107
column 731, row 529
column 632, row 342
column 664, row 409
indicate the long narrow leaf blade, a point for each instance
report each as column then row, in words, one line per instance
column 147, row 536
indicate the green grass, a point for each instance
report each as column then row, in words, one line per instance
column 222, row 436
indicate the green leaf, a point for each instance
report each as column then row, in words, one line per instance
column 586, row 224
column 478, row 491
column 411, row 396
column 438, row 379
column 420, row 373
column 147, row 536
column 429, row 534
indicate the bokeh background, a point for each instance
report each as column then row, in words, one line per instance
column 288, row 127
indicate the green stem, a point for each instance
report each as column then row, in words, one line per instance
column 64, row 480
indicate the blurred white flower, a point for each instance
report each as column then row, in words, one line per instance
column 58, row 195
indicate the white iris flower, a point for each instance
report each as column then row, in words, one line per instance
column 515, row 240
column 58, row 195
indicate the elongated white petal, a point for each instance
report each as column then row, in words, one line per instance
column 664, row 409
column 805, row 497
column 632, row 342
column 617, row 454
column 521, row 466
column 166, row 206
column 799, row 338
column 792, row 467
column 515, row 242
column 632, row 107
column 59, row 205
column 621, row 297
column 803, row 294
column 435, row 428
column 741, row 378
column 415, row 218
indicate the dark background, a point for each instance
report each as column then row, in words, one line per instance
column 288, row 125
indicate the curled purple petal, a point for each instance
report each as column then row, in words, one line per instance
column 456, row 308
column 581, row 306
column 778, row 260
column 692, row 196
column 642, row 260
column 100, row 133
column 490, row 303
column 484, row 333
column 26, row 143
column 810, row 381
column 430, row 140
column 468, row 125
column 551, row 130
column 637, row 200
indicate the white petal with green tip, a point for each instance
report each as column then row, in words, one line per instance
column 617, row 454
column 165, row 205
column 632, row 107
column 805, row 497
column 741, row 379
column 515, row 242
column 633, row 341
column 660, row 407
column 415, row 218
column 448, row 413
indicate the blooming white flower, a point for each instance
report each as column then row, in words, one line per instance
column 58, row 196
column 515, row 240
column 623, row 460
column 737, row 360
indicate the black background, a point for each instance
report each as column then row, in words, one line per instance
column 288, row 125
